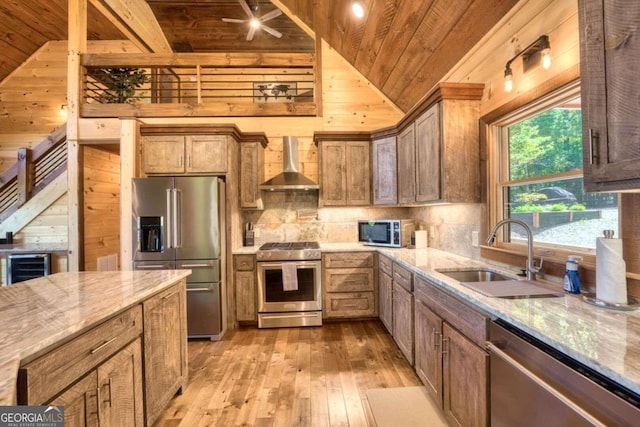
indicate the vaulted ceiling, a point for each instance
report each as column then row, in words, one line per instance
column 404, row 47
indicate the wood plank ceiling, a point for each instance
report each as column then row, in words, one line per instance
column 197, row 26
column 26, row 25
column 403, row 47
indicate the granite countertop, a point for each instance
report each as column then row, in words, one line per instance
column 41, row 312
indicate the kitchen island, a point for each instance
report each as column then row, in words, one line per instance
column 46, row 315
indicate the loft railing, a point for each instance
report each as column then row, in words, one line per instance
column 32, row 172
column 192, row 84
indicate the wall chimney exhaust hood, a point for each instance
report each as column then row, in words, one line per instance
column 290, row 179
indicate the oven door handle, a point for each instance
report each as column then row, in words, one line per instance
column 494, row 349
column 289, row 316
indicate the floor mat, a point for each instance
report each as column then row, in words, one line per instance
column 404, row 406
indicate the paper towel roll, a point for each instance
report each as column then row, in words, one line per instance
column 611, row 283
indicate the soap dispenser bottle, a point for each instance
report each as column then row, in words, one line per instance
column 571, row 277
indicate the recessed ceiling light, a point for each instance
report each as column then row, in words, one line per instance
column 358, row 9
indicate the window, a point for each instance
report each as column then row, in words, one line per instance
column 538, row 177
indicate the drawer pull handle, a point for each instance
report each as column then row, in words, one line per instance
column 200, row 265
column 445, row 346
column 103, row 345
column 170, row 295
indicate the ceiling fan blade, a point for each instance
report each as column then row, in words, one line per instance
column 270, row 15
column 246, row 8
column 271, row 31
column 251, row 33
column 237, row 21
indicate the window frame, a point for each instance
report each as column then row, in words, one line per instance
column 498, row 175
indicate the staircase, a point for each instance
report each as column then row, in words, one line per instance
column 23, row 184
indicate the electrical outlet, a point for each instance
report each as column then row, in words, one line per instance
column 474, row 239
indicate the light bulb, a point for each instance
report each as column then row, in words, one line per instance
column 546, row 59
column 357, row 9
column 254, row 22
column 63, row 111
column 508, row 82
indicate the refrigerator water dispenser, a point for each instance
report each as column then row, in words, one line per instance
column 150, row 233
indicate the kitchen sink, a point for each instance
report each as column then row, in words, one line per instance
column 479, row 275
column 496, row 285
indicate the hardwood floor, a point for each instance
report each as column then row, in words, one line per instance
column 315, row 376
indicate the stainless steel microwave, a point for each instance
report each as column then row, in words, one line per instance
column 395, row 233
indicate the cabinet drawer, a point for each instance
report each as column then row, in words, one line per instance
column 469, row 321
column 350, row 304
column 349, row 280
column 244, row 262
column 402, row 276
column 349, row 260
column 43, row 378
column 385, row 264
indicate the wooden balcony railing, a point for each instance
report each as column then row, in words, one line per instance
column 194, row 84
column 34, row 169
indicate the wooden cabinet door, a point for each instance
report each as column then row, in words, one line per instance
column 251, row 175
column 163, row 154
column 403, row 320
column 333, row 173
column 465, row 370
column 407, row 166
column 80, row 402
column 206, row 154
column 385, row 171
column 165, row 338
column 428, row 165
column 358, row 173
column 609, row 54
column 120, row 388
column 246, row 296
column 428, row 355
column 385, row 290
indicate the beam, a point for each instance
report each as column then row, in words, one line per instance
column 135, row 19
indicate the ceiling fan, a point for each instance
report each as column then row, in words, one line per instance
column 256, row 22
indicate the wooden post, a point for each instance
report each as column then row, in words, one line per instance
column 25, row 175
column 77, row 26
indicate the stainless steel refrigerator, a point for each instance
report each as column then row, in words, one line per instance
column 179, row 223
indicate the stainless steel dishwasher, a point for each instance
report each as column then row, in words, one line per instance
column 533, row 384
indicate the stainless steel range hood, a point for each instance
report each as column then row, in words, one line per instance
column 290, row 179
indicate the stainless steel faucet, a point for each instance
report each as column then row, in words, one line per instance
column 531, row 268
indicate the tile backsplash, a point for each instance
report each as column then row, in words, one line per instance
column 295, row 216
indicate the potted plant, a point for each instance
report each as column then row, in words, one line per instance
column 121, row 84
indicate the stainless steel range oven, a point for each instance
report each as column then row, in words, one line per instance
column 289, row 285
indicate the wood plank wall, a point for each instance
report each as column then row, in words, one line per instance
column 31, row 97
column 101, row 191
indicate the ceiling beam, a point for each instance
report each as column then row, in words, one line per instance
column 135, row 19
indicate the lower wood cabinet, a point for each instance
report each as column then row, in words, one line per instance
column 348, row 288
column 403, row 310
column 165, row 348
column 385, row 291
column 101, row 376
column 106, row 366
column 449, row 357
column 244, row 277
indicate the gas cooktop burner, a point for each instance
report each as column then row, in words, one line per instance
column 282, row 251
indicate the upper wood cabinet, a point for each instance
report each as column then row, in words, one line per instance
column 251, row 174
column 609, row 52
column 407, row 165
column 178, row 154
column 438, row 147
column 384, row 171
column 345, row 177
